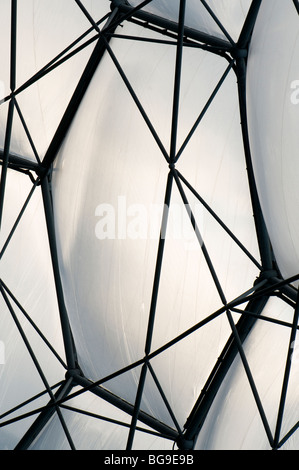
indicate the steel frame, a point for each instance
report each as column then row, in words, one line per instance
column 269, row 283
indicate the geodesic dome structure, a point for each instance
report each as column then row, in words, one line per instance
column 149, row 231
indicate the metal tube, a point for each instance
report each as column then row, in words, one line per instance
column 250, row 378
column 138, row 103
column 44, row 417
column 198, row 415
column 220, row 44
column 25, row 339
column 177, row 81
column 20, row 162
column 203, row 112
column 41, row 335
column 200, row 240
column 158, row 264
column 267, row 257
column 13, row 44
column 164, row 398
column 286, row 374
column 18, row 218
column 27, row 132
column 221, row 223
column 225, row 32
column 136, row 407
column 152, row 309
column 76, row 99
column 35, row 361
column 66, row 331
column 296, row 3
column 248, row 26
column 127, row 407
column 26, row 402
column 6, row 156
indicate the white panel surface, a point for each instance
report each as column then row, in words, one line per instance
column 44, row 30
column 108, row 174
column 273, row 111
column 230, row 14
column 234, row 422
column 108, row 189
column 27, row 272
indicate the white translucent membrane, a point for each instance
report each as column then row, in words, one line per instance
column 26, row 271
column 234, row 422
column 273, row 111
column 109, row 157
column 44, row 30
column 230, row 13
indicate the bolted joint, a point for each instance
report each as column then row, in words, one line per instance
column 119, row 3
column 73, row 373
column 238, row 53
column 184, row 444
column 268, row 274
